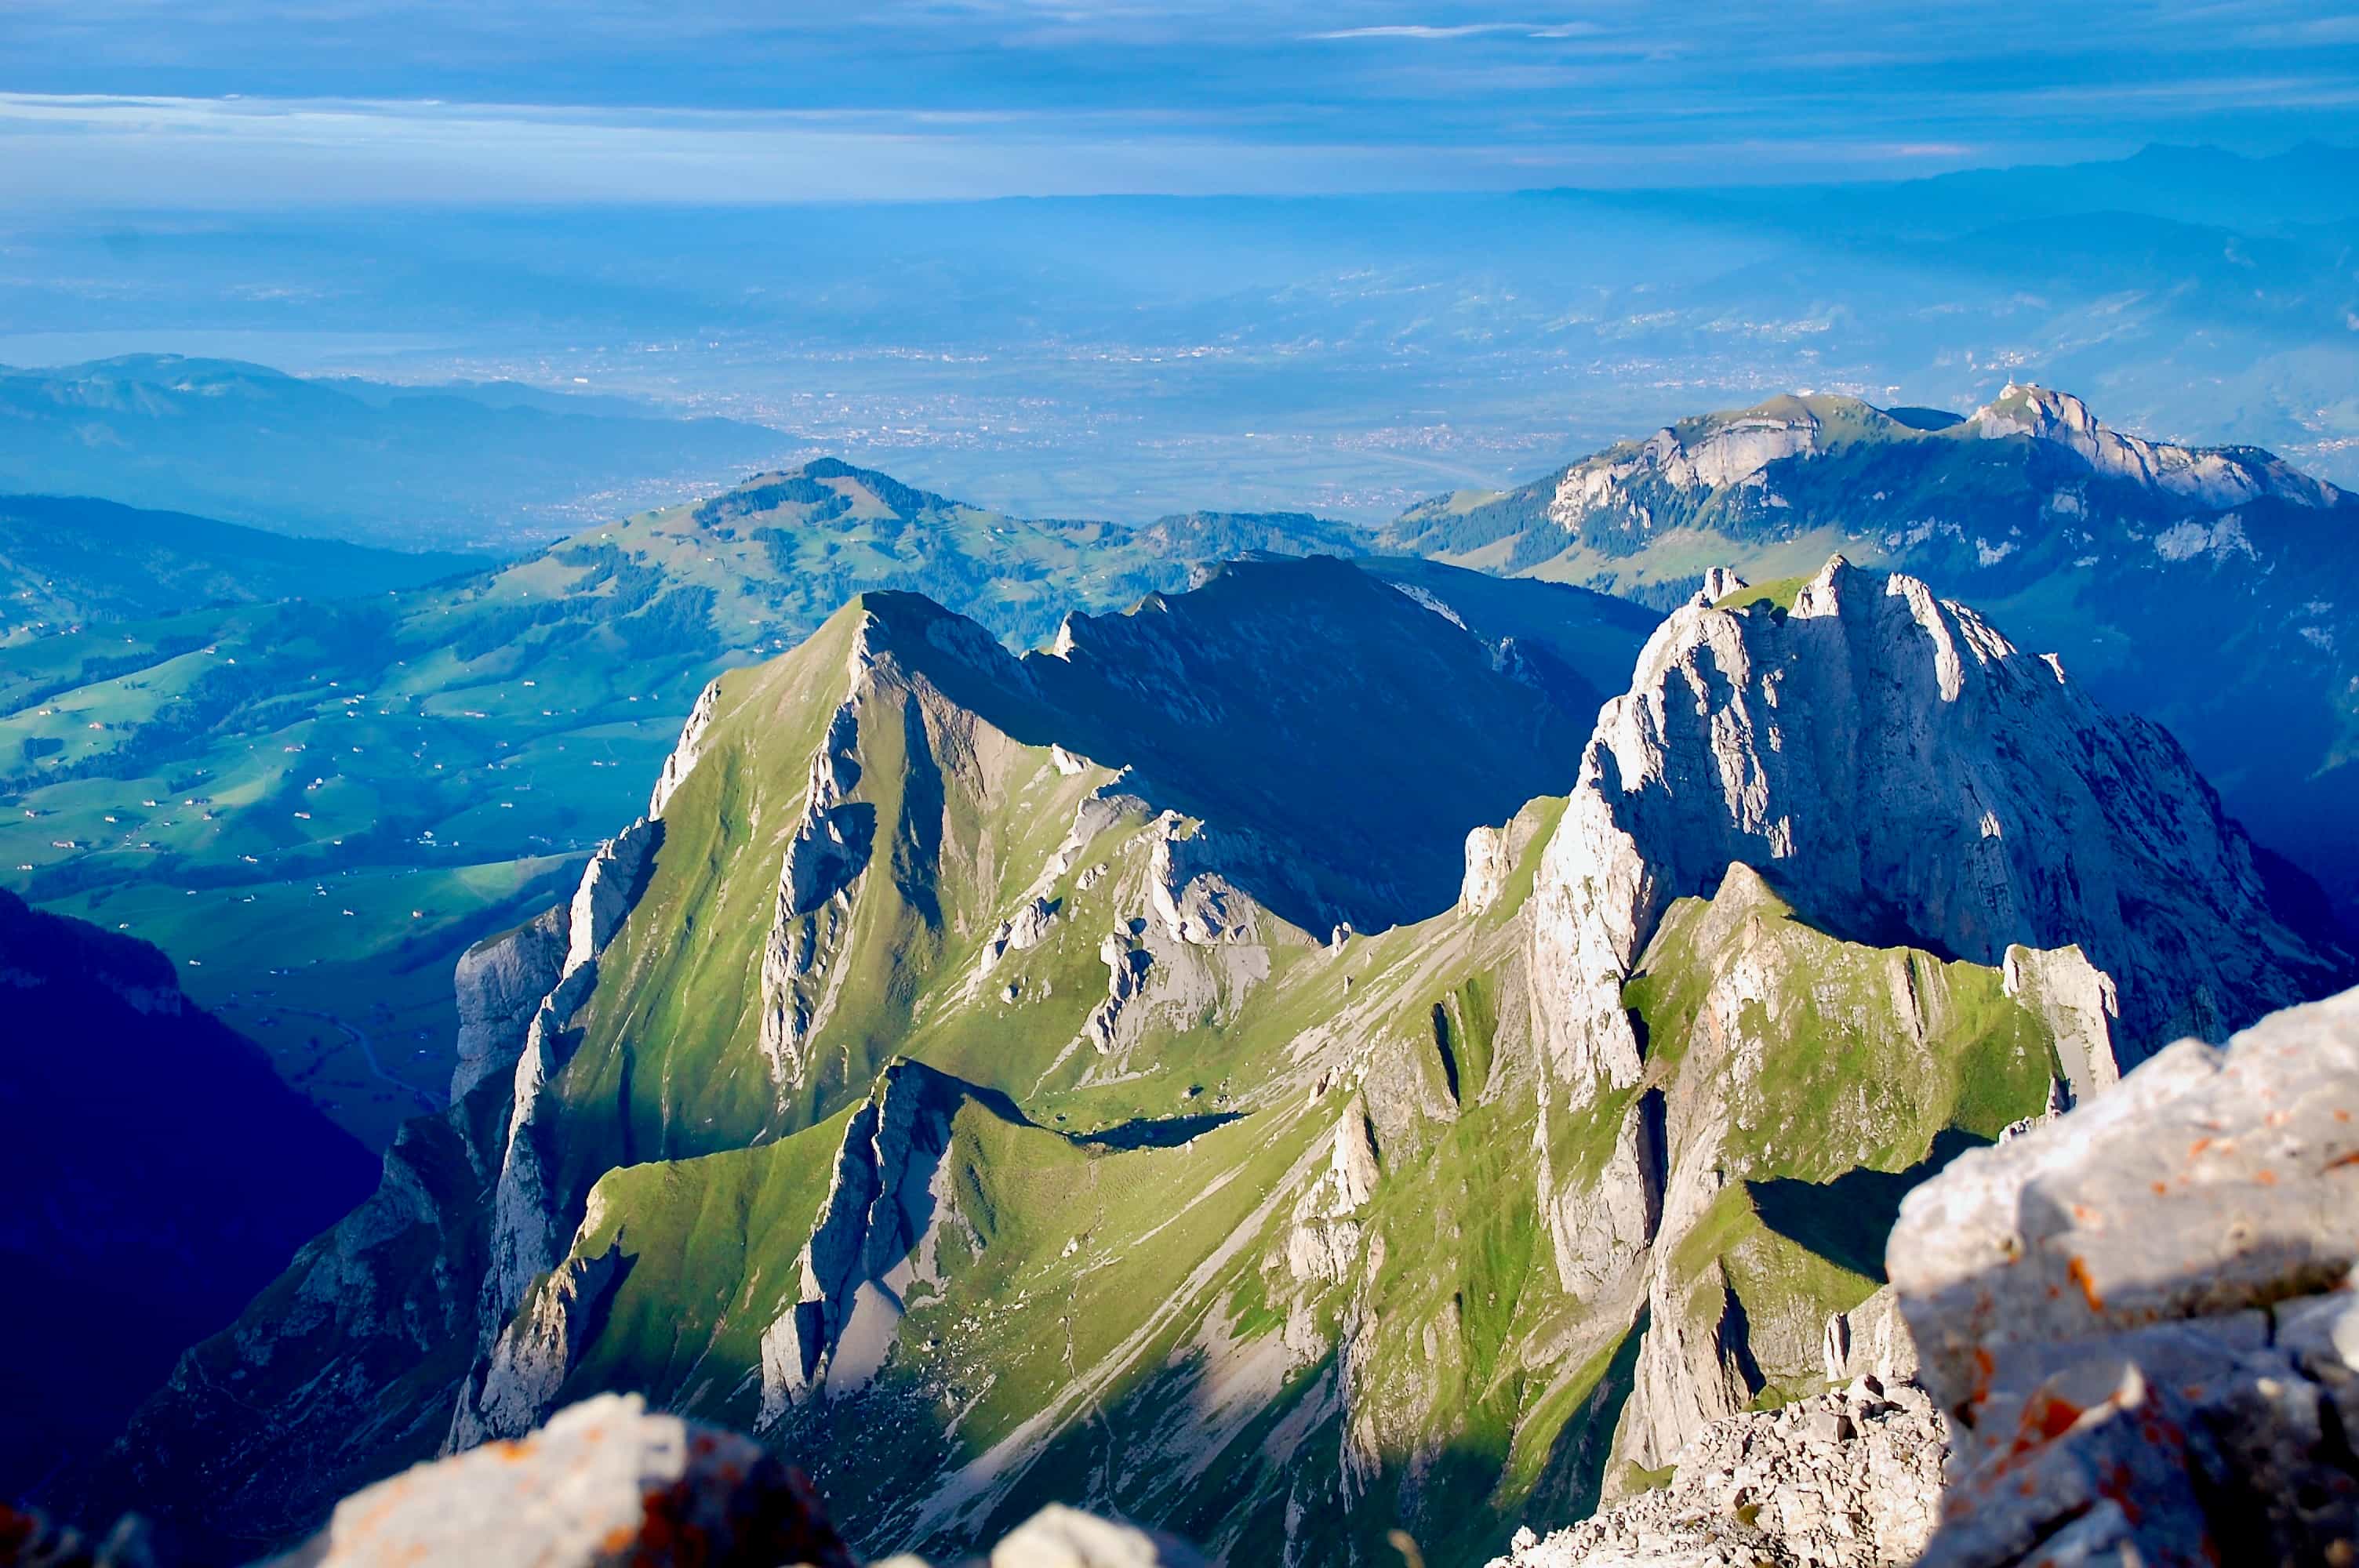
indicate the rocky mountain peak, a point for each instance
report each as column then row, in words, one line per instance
column 1899, row 771
column 2220, row 476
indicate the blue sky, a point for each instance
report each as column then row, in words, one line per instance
column 262, row 102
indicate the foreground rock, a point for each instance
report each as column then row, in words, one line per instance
column 2142, row 1314
column 608, row 1482
column 604, row 1483
column 2141, row 1318
column 1849, row 1480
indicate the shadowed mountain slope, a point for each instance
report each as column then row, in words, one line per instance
column 157, row 1174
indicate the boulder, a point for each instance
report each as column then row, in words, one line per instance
column 2208, row 1182
column 2143, row 1316
column 605, row 1482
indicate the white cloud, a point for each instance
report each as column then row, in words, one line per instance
column 1461, row 30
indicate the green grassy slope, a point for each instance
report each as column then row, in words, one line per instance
column 1094, row 1329
column 231, row 782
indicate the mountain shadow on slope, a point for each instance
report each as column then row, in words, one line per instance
column 1848, row 1219
column 159, row 1172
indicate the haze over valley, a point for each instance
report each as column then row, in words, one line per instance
column 1136, row 788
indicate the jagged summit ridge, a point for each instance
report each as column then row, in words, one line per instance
column 1898, row 769
column 1734, row 452
column 2215, row 476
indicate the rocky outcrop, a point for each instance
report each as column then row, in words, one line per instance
column 535, row 1351
column 1325, row 1239
column 688, row 750
column 606, row 1482
column 1870, row 1340
column 810, row 923
column 2081, row 1006
column 1865, row 749
column 1492, row 856
column 1127, row 969
column 2142, row 1314
column 2208, row 1182
column 1846, row 1479
column 1019, row 932
column 610, row 887
column 501, row 982
column 872, row 1241
column 1712, row 455
column 524, row 1233
column 2215, row 478
column 611, row 884
column 523, row 1243
column 1188, row 888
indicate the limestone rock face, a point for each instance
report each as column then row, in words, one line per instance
column 688, row 750
column 1870, row 1340
column 525, row 1239
column 807, row 926
column 2214, row 477
column 1868, row 751
column 2142, row 1314
column 1325, row 1239
column 1719, row 582
column 1492, row 856
column 1730, row 452
column 607, row 1482
column 2080, row 1005
column 610, row 886
column 874, row 1239
column 535, row 1352
column 500, row 985
column 1848, row 1480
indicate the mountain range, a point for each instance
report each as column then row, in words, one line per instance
column 1081, row 1074
column 316, row 805
column 70, row 561
column 481, row 468
column 2197, row 586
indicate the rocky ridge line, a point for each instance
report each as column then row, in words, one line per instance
column 1863, row 748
